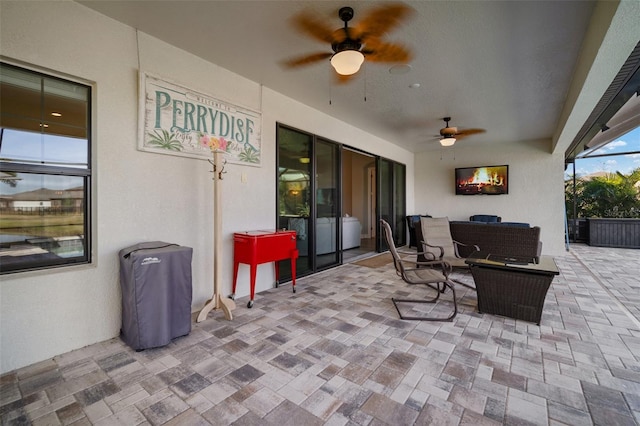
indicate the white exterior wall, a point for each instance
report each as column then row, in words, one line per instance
column 141, row 196
column 536, row 187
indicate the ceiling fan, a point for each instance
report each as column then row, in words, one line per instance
column 352, row 45
column 449, row 135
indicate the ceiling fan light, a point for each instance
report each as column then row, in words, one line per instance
column 347, row 62
column 447, row 141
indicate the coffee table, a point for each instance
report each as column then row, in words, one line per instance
column 514, row 287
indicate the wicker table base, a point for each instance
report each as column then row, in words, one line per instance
column 512, row 290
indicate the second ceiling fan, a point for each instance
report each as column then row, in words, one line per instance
column 351, row 46
column 449, row 134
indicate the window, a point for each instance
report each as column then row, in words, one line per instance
column 45, row 171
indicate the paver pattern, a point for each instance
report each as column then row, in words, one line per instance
column 335, row 353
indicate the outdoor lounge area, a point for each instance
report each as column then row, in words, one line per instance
column 212, row 125
column 336, row 353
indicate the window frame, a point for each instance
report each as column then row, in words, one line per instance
column 42, row 168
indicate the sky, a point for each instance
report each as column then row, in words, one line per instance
column 623, row 163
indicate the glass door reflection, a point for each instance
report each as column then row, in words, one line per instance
column 327, row 203
column 295, row 195
column 391, row 199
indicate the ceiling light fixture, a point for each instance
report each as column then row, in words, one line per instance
column 447, row 141
column 56, row 114
column 347, row 62
column 305, row 160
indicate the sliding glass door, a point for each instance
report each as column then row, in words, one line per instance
column 328, row 206
column 399, row 203
column 295, row 195
column 309, row 197
column 311, row 182
column 391, row 199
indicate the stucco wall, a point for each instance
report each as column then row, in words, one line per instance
column 140, row 196
column 536, row 188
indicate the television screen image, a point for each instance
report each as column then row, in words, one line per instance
column 489, row 180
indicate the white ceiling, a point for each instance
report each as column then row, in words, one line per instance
column 505, row 66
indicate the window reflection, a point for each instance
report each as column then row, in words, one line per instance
column 31, row 147
column 294, row 192
column 42, row 215
column 44, row 170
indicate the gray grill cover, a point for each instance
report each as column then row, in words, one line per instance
column 155, row 278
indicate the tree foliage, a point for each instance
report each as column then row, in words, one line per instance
column 613, row 195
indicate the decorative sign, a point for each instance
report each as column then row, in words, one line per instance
column 181, row 121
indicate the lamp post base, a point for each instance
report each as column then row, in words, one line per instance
column 217, row 302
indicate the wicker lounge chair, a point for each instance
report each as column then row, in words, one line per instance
column 437, row 273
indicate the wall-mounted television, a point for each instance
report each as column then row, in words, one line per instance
column 489, row 180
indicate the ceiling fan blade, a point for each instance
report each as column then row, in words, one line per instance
column 378, row 51
column 306, row 60
column 468, row 132
column 382, row 20
column 316, row 28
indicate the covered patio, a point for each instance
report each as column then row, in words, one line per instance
column 336, row 353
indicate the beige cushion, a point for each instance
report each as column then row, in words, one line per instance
column 436, row 232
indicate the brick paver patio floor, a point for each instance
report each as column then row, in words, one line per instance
column 336, row 353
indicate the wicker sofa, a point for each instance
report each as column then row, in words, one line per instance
column 509, row 293
column 513, row 239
